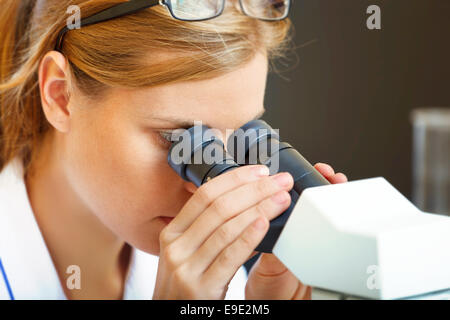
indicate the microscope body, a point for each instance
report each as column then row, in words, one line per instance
column 365, row 239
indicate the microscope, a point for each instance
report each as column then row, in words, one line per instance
column 357, row 240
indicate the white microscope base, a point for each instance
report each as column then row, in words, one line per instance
column 365, row 239
column 321, row 294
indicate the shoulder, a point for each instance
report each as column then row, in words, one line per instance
column 12, row 191
column 14, row 204
column 11, row 182
column 21, row 242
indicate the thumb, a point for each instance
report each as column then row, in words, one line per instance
column 270, row 279
column 269, row 265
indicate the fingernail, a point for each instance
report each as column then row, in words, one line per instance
column 261, row 171
column 283, row 179
column 280, row 197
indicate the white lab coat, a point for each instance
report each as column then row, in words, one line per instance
column 26, row 268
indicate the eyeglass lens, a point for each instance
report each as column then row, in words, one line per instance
column 266, row 9
column 204, row 9
column 195, row 9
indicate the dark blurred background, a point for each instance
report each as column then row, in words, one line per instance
column 347, row 99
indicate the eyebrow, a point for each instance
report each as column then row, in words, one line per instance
column 180, row 123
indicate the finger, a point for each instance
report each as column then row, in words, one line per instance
column 209, row 191
column 325, row 169
column 338, row 178
column 228, row 206
column 230, row 231
column 254, row 253
column 231, row 258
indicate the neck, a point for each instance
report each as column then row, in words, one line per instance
column 73, row 234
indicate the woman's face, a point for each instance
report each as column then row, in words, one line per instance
column 116, row 160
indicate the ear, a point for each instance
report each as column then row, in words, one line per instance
column 54, row 89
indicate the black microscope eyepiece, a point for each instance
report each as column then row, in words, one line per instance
column 197, row 154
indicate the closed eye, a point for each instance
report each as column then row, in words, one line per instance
column 163, row 138
column 166, row 135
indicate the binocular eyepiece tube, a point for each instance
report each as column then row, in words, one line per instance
column 197, row 155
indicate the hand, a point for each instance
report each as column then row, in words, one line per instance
column 217, row 230
column 269, row 278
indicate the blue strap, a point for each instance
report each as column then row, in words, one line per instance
column 6, row 280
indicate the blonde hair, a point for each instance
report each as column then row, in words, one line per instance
column 121, row 52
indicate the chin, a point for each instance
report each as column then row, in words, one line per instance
column 147, row 238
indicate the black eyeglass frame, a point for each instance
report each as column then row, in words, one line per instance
column 134, row 6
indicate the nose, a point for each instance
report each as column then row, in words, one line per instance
column 190, row 187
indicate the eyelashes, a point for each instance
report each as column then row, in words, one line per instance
column 166, row 135
column 164, row 138
column 172, row 135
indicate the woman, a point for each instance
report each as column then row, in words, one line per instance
column 89, row 206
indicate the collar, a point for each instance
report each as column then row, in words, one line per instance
column 26, row 261
column 27, row 270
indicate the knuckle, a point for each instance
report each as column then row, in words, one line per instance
column 180, row 275
column 237, row 176
column 164, row 237
column 248, row 239
column 169, row 255
column 225, row 234
column 264, row 186
column 184, row 281
column 220, row 206
column 261, row 210
column 203, row 195
column 227, row 256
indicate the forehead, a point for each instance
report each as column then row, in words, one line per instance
column 227, row 101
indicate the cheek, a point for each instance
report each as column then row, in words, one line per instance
column 122, row 175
